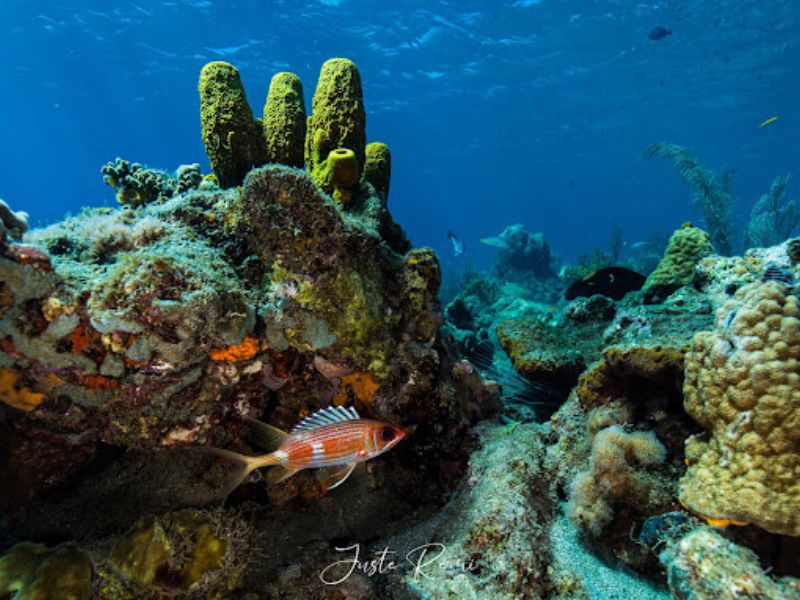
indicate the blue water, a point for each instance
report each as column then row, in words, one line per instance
column 496, row 112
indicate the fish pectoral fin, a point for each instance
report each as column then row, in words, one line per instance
column 339, row 476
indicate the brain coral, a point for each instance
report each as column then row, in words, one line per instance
column 743, row 387
column 676, row 269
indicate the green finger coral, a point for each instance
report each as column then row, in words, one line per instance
column 234, row 141
column 285, row 120
column 338, row 119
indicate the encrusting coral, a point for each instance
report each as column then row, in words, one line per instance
column 742, row 386
column 234, row 141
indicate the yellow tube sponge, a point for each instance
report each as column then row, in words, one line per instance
column 234, row 142
column 285, row 121
column 378, row 167
column 742, row 386
column 338, row 119
column 338, row 175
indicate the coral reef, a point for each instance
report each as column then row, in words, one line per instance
column 285, row 120
column 234, row 141
column 378, row 167
column 703, row 565
column 36, row 572
column 743, row 387
column 337, row 117
column 687, row 246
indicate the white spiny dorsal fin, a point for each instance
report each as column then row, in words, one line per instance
column 326, row 416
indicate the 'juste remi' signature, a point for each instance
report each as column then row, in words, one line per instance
column 424, row 561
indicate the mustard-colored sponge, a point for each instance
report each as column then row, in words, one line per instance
column 339, row 175
column 378, row 167
column 234, row 141
column 337, row 118
column 285, row 121
column 742, row 386
column 676, row 269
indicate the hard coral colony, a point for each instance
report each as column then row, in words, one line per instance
column 279, row 287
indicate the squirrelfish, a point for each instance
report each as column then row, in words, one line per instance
column 333, row 437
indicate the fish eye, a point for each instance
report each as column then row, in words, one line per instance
column 387, row 434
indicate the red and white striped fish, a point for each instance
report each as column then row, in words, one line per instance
column 333, row 437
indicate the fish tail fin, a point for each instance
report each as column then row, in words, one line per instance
column 241, row 466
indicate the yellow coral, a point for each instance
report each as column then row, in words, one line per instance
column 741, row 386
column 23, row 399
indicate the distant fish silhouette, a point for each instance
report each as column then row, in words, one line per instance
column 494, row 242
column 458, row 245
column 613, row 282
column 659, row 33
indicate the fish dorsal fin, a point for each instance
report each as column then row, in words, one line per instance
column 326, row 416
column 265, row 436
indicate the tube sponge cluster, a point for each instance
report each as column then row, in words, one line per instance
column 742, row 386
column 617, row 474
column 331, row 143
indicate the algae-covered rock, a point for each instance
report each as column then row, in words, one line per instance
column 36, row 572
column 704, row 565
column 234, row 141
column 285, row 120
column 338, row 119
column 378, row 167
column 687, row 246
column 184, row 551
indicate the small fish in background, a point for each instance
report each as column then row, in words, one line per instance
column 779, row 275
column 332, row 437
column 458, row 245
column 494, row 242
column 659, row 33
column 768, row 121
column 613, row 282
